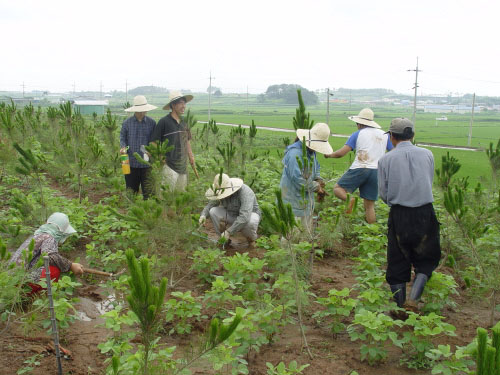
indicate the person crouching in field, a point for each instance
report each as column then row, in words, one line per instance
column 47, row 239
column 405, row 178
column 233, row 204
column 298, row 185
column 370, row 143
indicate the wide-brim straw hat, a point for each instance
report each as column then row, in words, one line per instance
column 365, row 117
column 176, row 95
column 317, row 138
column 140, row 105
column 223, row 187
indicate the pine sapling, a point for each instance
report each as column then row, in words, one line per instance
column 301, row 119
column 281, row 219
column 145, row 300
column 449, row 167
column 31, row 165
column 494, row 158
column 252, row 132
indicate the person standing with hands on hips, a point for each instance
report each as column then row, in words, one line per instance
column 135, row 134
column 405, row 177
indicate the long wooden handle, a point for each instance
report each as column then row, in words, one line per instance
column 97, row 272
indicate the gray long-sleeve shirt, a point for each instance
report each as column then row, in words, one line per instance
column 405, row 176
column 240, row 204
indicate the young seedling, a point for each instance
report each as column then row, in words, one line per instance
column 282, row 220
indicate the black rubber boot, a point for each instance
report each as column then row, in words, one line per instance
column 418, row 286
column 399, row 293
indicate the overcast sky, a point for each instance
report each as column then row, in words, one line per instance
column 54, row 44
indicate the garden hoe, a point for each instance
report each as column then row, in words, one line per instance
column 102, row 273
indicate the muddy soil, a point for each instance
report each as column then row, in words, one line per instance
column 332, row 355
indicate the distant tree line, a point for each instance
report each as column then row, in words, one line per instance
column 288, row 94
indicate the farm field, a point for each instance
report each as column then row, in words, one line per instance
column 234, row 109
column 74, row 168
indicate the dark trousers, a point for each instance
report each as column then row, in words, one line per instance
column 139, row 177
column 412, row 239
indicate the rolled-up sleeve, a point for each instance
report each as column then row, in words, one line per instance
column 206, row 210
column 50, row 248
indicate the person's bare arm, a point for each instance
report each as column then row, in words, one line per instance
column 340, row 152
column 191, row 158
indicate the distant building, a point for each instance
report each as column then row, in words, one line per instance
column 449, row 108
column 88, row 107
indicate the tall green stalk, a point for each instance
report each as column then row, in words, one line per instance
column 282, row 220
column 145, row 300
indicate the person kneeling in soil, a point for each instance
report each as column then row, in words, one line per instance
column 47, row 239
column 232, row 203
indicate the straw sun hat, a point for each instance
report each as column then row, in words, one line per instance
column 316, row 138
column 140, row 105
column 223, row 187
column 176, row 95
column 365, row 117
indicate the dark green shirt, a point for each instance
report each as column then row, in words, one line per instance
column 178, row 134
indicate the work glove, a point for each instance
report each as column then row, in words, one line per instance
column 226, row 235
column 202, row 219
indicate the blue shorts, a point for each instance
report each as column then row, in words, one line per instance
column 363, row 178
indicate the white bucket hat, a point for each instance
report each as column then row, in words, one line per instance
column 223, row 187
column 62, row 222
column 175, row 95
column 317, row 138
column 140, row 105
column 365, row 117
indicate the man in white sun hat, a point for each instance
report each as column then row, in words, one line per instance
column 135, row 134
column 176, row 131
column 370, row 143
column 297, row 185
column 233, row 208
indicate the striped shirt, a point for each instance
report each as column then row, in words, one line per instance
column 405, row 176
column 134, row 134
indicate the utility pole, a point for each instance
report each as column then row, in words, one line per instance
column 210, row 94
column 23, row 89
column 74, row 89
column 415, row 87
column 126, row 91
column 350, row 99
column 247, row 101
column 328, row 105
column 100, row 90
column 471, row 119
